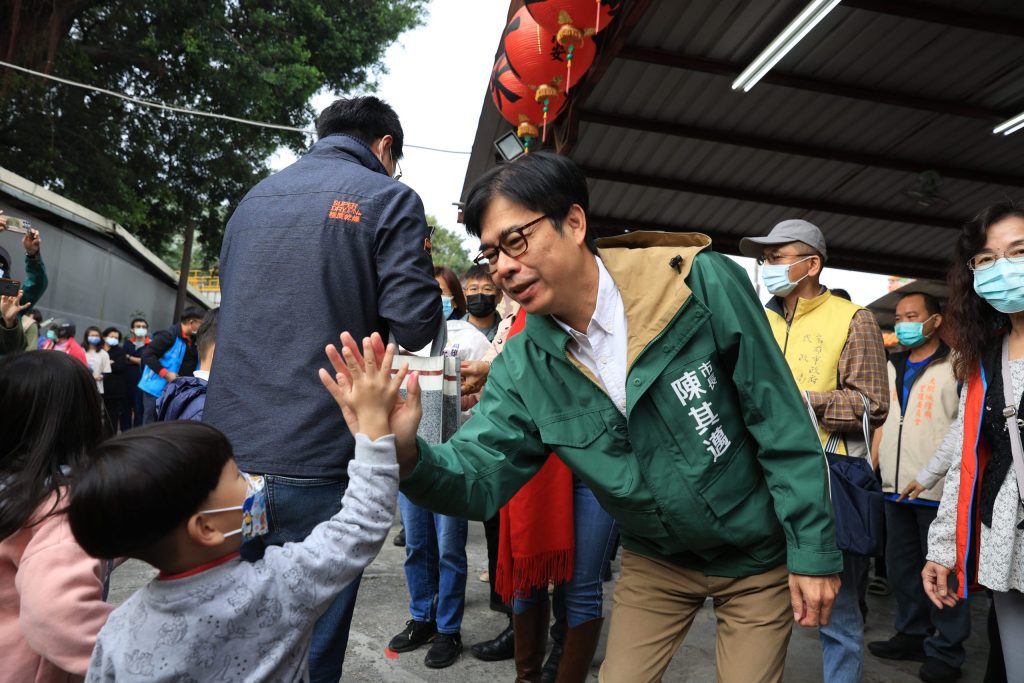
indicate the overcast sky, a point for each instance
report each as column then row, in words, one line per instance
column 437, row 78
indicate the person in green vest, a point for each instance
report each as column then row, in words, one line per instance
column 835, row 351
column 648, row 367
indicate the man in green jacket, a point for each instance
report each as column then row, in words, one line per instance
column 649, row 368
column 35, row 282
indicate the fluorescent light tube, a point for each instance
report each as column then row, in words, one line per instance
column 810, row 17
column 1010, row 125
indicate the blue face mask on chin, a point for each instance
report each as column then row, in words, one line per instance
column 1002, row 286
column 776, row 277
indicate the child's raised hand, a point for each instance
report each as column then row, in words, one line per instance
column 362, row 387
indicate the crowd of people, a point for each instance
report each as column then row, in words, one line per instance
column 630, row 393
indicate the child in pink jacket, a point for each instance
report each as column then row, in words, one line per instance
column 51, row 593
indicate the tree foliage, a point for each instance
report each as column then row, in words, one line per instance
column 447, row 249
column 156, row 171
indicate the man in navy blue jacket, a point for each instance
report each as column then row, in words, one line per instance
column 335, row 242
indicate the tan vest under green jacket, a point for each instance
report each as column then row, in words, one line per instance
column 931, row 408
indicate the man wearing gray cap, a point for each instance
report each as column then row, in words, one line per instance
column 835, row 351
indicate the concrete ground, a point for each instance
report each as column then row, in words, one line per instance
column 382, row 611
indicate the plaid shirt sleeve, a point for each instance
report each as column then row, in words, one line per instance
column 861, row 371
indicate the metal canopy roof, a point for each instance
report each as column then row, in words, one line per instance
column 838, row 132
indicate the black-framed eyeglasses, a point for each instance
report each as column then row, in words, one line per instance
column 775, row 258
column 513, row 244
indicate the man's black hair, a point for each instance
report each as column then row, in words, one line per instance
column 207, row 334
column 540, row 181
column 475, row 272
column 139, row 320
column 141, row 485
column 192, row 313
column 364, row 118
column 931, row 303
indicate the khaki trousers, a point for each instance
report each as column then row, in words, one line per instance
column 655, row 603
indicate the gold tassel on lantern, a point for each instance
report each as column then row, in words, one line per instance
column 545, row 94
column 526, row 132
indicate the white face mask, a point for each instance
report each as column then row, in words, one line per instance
column 141, row 331
column 253, row 508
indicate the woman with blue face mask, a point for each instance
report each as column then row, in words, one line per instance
column 453, row 301
column 977, row 538
column 96, row 356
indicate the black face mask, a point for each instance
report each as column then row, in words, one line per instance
column 481, row 305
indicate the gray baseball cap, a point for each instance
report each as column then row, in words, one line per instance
column 794, row 230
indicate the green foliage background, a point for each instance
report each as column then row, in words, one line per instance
column 156, row 172
column 447, row 249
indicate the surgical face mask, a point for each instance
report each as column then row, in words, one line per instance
column 113, row 341
column 141, row 331
column 254, row 510
column 481, row 305
column 94, row 340
column 912, row 335
column 446, row 306
column 51, row 335
column 1002, row 286
column 776, row 277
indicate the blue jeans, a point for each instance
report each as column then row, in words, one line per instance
column 294, row 507
column 842, row 640
column 148, row 407
column 435, row 565
column 906, row 547
column 138, row 408
column 594, row 542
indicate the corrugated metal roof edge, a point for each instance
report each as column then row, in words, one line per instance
column 38, row 196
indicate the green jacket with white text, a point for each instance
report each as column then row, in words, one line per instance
column 714, row 466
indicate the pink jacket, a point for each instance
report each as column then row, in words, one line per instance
column 51, row 603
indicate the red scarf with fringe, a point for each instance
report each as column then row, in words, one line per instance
column 535, row 544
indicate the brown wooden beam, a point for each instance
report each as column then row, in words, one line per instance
column 727, row 242
column 947, row 16
column 720, row 67
column 739, row 194
column 785, row 147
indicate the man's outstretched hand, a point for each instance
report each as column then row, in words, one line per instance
column 405, row 416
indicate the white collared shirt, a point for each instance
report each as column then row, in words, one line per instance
column 602, row 350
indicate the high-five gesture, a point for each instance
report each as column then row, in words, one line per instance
column 405, row 415
column 364, row 388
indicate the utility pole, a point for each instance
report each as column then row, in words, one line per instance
column 186, row 265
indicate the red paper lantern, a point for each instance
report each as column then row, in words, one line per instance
column 518, row 103
column 537, row 57
column 573, row 20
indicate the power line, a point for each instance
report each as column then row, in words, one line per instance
column 184, row 110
